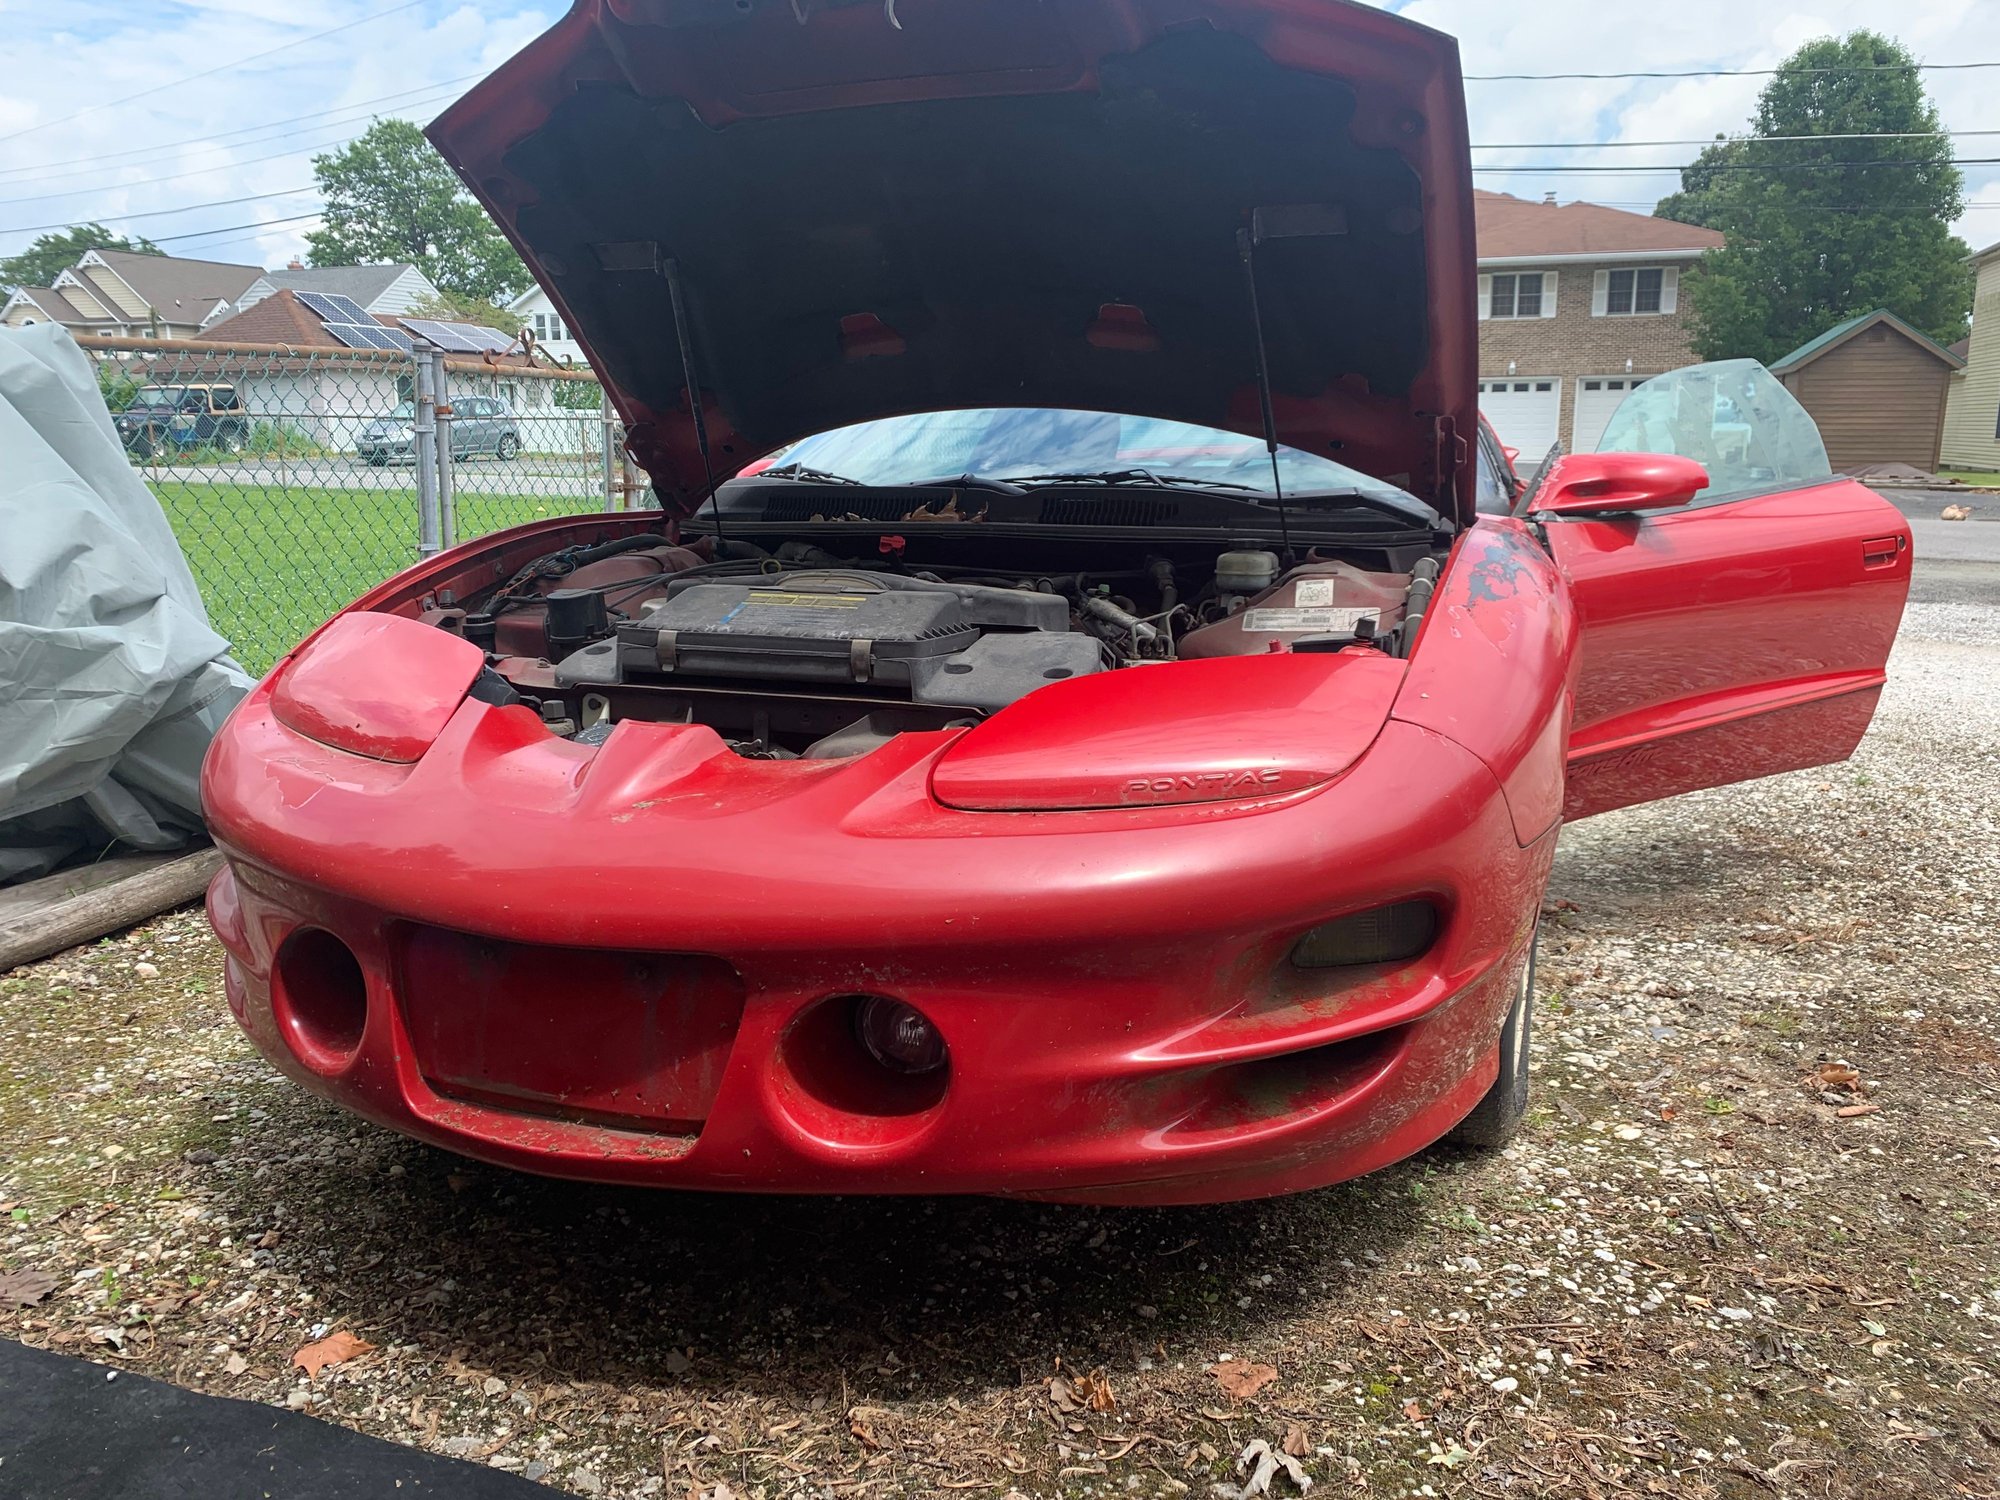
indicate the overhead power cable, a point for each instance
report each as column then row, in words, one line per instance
column 361, row 108
column 1883, row 135
column 228, row 67
column 1676, row 168
column 1731, row 72
column 202, row 234
column 161, row 213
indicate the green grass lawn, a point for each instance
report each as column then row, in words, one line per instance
column 274, row 561
column 1972, row 476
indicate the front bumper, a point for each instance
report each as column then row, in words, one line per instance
column 1122, row 1022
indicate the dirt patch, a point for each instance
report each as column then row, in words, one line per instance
column 1714, row 1265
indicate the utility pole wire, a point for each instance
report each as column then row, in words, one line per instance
column 161, row 88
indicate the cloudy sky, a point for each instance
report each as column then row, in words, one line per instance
column 194, row 121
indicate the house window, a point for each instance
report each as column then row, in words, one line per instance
column 1520, row 295
column 548, row 326
column 541, row 326
column 1635, row 292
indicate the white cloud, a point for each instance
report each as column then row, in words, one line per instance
column 69, row 150
column 1586, row 36
column 80, row 54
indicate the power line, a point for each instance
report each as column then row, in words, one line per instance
column 202, row 234
column 1549, row 168
column 161, row 213
column 209, row 171
column 1883, row 135
column 359, row 108
column 1732, row 72
column 160, row 88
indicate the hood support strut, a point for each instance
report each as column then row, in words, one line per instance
column 671, row 270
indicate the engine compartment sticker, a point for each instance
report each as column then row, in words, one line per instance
column 809, row 601
column 1333, row 620
column 1314, row 593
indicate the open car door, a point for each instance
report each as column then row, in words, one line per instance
column 1739, row 634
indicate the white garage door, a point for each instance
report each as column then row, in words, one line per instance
column 1597, row 397
column 1526, row 414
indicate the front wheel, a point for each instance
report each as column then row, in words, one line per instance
column 1496, row 1118
column 509, row 446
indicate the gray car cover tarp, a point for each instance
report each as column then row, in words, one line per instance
column 111, row 681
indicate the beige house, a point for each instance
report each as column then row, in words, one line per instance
column 1578, row 304
column 126, row 295
column 1972, row 406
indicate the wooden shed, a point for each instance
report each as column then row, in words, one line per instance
column 1877, row 389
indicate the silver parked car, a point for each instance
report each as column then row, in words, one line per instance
column 480, row 426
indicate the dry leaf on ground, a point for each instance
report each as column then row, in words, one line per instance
column 1240, row 1379
column 1262, row 1464
column 26, row 1288
column 1956, row 513
column 1296, row 1442
column 334, row 1349
column 1095, row 1392
column 1856, row 1111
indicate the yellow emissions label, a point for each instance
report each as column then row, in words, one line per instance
column 809, row 601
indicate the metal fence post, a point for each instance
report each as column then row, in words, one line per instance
column 423, row 442
column 607, row 458
column 447, row 477
column 631, row 484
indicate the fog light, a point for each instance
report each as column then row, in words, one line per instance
column 898, row 1035
column 320, row 998
column 1385, row 935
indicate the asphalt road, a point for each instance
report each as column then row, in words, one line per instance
column 1957, row 561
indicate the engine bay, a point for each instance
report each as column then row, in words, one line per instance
column 789, row 650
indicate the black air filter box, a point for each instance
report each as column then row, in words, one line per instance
column 822, row 626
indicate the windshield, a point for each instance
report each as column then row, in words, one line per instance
column 405, row 411
column 1019, row 442
column 167, row 396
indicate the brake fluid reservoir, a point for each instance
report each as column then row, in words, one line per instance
column 1319, row 598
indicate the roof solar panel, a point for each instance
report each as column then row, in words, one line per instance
column 492, row 338
column 393, row 338
column 354, row 335
column 331, row 309
column 445, row 335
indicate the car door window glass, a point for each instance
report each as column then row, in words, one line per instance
column 1733, row 417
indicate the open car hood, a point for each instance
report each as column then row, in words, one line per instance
column 873, row 209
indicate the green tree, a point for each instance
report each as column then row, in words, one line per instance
column 52, row 254
column 1821, row 230
column 390, row 198
column 458, row 307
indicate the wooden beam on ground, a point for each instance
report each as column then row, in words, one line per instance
column 59, row 911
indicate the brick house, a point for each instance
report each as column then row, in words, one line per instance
column 1578, row 303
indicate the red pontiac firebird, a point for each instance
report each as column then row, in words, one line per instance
column 1116, row 750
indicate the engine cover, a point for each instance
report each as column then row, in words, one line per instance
column 937, row 641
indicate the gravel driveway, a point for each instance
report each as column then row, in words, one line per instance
column 1746, row 1246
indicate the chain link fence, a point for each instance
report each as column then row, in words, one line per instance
column 297, row 478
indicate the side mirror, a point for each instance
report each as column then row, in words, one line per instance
column 1583, row 484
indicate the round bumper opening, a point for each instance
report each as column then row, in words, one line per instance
column 840, row 1087
column 320, row 998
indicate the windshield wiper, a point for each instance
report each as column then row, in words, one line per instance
column 1130, row 476
column 805, row 472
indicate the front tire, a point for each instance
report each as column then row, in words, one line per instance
column 1496, row 1118
column 508, row 447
